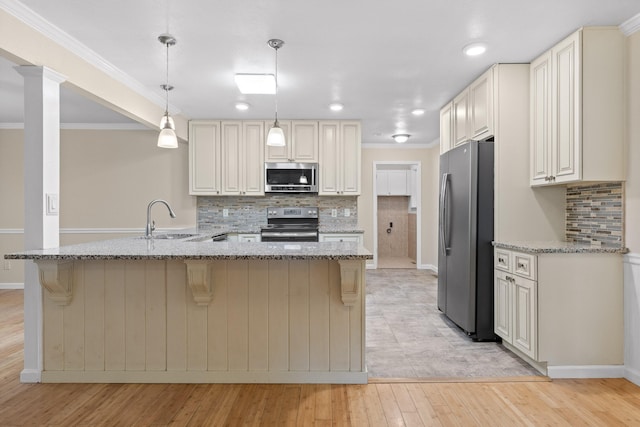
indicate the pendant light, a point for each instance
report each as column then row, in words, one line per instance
column 167, row 137
column 275, row 138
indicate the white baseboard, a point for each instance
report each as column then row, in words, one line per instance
column 191, row 377
column 587, row 371
column 632, row 375
column 30, row 376
column 11, row 285
column 428, row 267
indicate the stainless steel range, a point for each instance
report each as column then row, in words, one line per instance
column 291, row 224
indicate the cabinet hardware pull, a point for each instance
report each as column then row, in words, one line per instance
column 501, row 260
column 520, row 265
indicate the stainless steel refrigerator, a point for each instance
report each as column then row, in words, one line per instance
column 465, row 253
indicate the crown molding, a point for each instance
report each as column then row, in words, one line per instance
column 631, row 25
column 57, row 35
column 85, row 126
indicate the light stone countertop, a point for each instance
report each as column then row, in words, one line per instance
column 550, row 247
column 199, row 247
column 337, row 229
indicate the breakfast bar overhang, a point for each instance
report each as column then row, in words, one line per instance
column 162, row 311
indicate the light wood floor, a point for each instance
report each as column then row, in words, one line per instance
column 507, row 403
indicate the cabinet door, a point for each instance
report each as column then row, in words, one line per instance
column 397, row 182
column 382, row 183
column 566, row 111
column 204, row 158
column 445, row 128
column 540, row 116
column 329, row 158
column 304, row 141
column 460, row 118
column 350, row 142
column 355, row 237
column 502, row 321
column 231, row 137
column 481, row 106
column 252, row 165
column 525, row 321
column 279, row 154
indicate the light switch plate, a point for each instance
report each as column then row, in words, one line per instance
column 52, row 204
column 225, row 212
column 347, row 212
column 334, row 212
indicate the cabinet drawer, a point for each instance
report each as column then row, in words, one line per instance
column 524, row 265
column 502, row 260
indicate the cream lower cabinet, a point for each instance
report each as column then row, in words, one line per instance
column 515, row 301
column 340, row 237
column 578, row 109
column 242, row 154
column 562, row 311
column 339, row 160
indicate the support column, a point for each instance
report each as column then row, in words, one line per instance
column 41, row 195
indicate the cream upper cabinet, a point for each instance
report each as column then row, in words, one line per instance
column 204, row 158
column 470, row 114
column 460, row 113
column 242, row 154
column 301, row 138
column 339, row 158
column 480, row 114
column 578, row 108
column 392, row 183
column 446, row 134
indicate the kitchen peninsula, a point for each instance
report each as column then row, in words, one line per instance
column 193, row 310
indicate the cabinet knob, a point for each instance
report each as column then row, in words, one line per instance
column 501, row 260
column 520, row 265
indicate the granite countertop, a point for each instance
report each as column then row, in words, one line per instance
column 197, row 247
column 551, row 247
column 338, row 229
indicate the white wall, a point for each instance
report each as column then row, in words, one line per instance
column 107, row 178
column 632, row 214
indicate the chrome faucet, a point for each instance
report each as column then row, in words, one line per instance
column 151, row 225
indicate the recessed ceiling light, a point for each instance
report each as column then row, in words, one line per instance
column 400, row 137
column 242, row 106
column 418, row 111
column 261, row 84
column 475, row 49
column 336, row 106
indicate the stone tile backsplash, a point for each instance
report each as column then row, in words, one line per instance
column 250, row 213
column 595, row 214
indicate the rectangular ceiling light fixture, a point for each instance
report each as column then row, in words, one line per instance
column 256, row 83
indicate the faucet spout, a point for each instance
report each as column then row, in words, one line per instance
column 151, row 225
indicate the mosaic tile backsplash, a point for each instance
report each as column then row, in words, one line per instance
column 595, row 214
column 250, row 213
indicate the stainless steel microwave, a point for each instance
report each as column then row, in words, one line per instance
column 291, row 177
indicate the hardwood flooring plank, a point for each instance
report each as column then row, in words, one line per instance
column 307, row 408
column 423, row 406
column 390, row 406
column 357, row 405
column 323, row 402
column 340, row 405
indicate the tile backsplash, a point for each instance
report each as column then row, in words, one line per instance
column 250, row 213
column 595, row 214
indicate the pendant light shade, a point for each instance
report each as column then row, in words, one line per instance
column 167, row 137
column 275, row 138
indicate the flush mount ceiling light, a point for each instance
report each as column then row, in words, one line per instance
column 417, row 111
column 474, row 49
column 256, row 84
column 336, row 106
column 167, row 137
column 275, row 138
column 242, row 106
column 400, row 137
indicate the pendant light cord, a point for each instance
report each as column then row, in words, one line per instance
column 166, row 87
column 276, row 85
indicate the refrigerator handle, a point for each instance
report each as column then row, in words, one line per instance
column 444, row 213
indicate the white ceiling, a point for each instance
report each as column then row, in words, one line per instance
column 379, row 58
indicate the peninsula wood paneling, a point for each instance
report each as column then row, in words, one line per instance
column 273, row 317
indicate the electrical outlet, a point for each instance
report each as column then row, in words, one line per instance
column 7, row 264
column 334, row 212
column 225, row 212
column 347, row 212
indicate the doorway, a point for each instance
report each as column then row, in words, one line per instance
column 396, row 213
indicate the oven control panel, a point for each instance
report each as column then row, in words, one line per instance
column 292, row 212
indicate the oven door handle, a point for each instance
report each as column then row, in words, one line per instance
column 289, row 234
